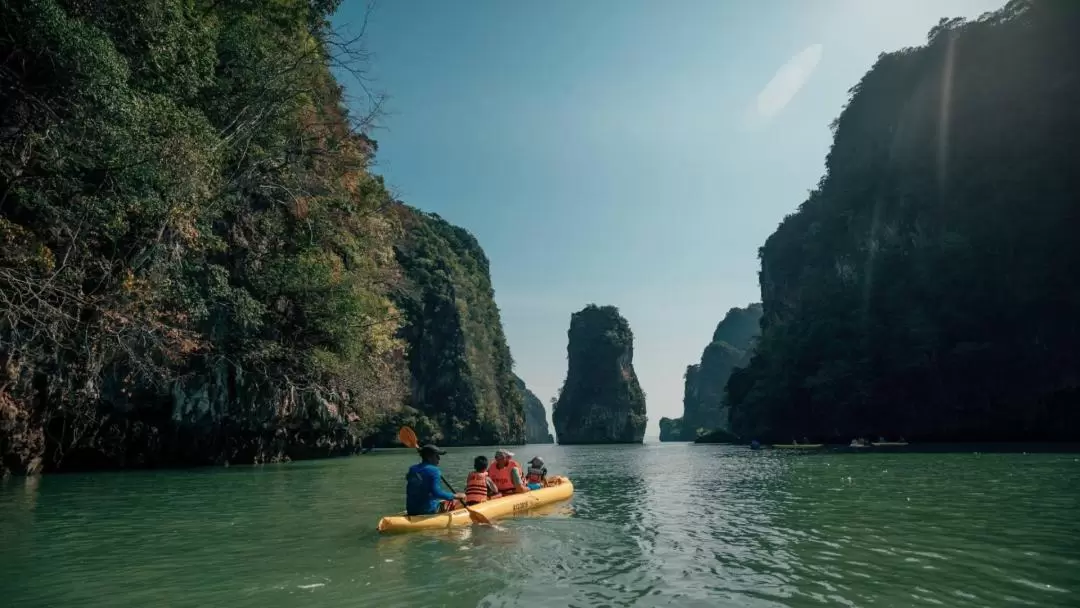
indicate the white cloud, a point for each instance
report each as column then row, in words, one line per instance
column 786, row 83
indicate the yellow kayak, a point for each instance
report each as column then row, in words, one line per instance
column 559, row 488
column 793, row 446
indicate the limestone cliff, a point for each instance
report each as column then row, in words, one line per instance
column 463, row 390
column 671, row 429
column 197, row 264
column 704, row 407
column 928, row 286
column 536, row 426
column 601, row 400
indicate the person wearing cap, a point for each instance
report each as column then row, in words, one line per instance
column 423, row 485
column 536, row 476
column 506, row 473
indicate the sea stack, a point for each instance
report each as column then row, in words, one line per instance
column 601, row 400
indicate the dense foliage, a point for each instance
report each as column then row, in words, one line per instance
column 195, row 263
column 536, row 425
column 464, row 388
column 928, row 287
column 601, row 400
column 704, row 400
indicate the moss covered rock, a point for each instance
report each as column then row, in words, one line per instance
column 458, row 358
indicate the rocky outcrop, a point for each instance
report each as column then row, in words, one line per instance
column 718, row 436
column 704, row 406
column 671, row 429
column 928, row 287
column 536, row 425
column 462, row 384
column 601, row 400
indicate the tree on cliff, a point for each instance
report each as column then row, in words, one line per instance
column 463, row 380
column 928, row 286
column 600, row 400
column 704, row 400
column 195, row 262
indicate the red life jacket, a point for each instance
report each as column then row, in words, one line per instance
column 502, row 478
column 476, row 489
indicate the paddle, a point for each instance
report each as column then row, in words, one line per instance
column 408, row 438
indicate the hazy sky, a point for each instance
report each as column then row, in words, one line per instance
column 634, row 153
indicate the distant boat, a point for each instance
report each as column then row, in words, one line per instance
column 888, row 444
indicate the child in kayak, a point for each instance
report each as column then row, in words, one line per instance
column 478, row 485
column 536, row 476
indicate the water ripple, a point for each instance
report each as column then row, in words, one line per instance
column 656, row 525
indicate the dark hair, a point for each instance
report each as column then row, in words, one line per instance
column 480, row 464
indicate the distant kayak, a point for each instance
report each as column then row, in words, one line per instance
column 889, row 444
column 796, row 446
column 560, row 489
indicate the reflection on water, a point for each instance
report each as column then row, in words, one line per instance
column 653, row 525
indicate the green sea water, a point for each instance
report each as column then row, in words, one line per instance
column 651, row 525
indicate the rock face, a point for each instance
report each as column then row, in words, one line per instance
column 671, row 429
column 183, row 287
column 704, row 407
column 601, row 400
column 928, row 287
column 463, row 389
column 717, row 436
column 536, row 425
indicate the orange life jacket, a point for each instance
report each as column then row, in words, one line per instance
column 502, row 478
column 476, row 489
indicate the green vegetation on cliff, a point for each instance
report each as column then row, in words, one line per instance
column 195, row 263
column 536, row 425
column 704, row 404
column 600, row 400
column 463, row 388
column 928, row 287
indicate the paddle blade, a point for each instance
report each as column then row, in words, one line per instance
column 407, row 436
column 478, row 518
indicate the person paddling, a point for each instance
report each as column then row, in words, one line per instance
column 423, row 493
column 506, row 473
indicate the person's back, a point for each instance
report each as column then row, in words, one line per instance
column 423, row 492
column 418, row 498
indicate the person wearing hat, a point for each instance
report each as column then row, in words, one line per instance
column 506, row 473
column 536, row 476
column 423, row 485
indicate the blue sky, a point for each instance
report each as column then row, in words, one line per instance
column 626, row 152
